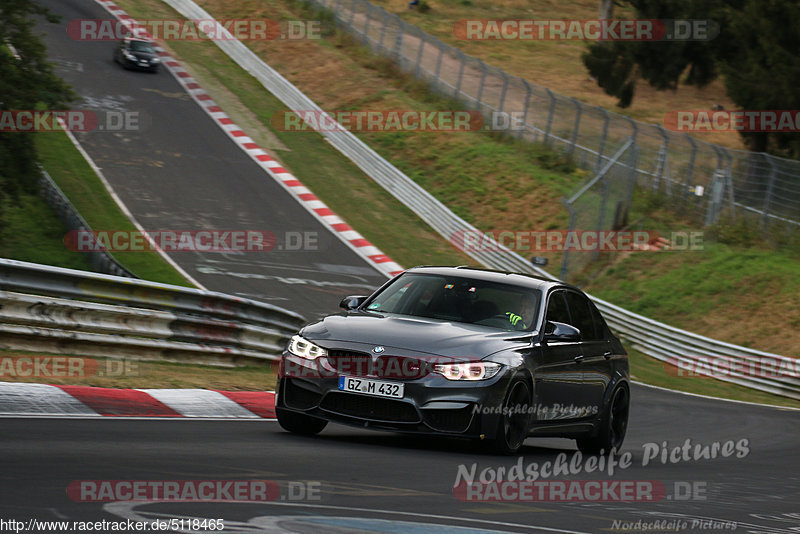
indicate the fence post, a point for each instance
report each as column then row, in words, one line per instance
column 352, row 13
column 602, row 139
column 480, row 86
column 460, row 72
column 768, row 196
column 398, row 45
column 550, row 114
column 690, row 167
column 441, row 46
column 575, row 127
column 524, row 121
column 503, row 92
column 729, row 180
column 381, row 47
column 661, row 161
column 565, row 260
column 419, row 53
column 365, row 39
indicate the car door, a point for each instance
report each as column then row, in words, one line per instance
column 595, row 351
column 558, row 380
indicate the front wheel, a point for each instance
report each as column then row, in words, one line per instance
column 513, row 427
column 299, row 423
column 612, row 429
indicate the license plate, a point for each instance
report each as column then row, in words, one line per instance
column 367, row 386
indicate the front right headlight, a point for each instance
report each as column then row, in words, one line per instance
column 299, row 346
column 468, row 371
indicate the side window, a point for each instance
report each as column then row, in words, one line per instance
column 581, row 311
column 557, row 308
column 599, row 322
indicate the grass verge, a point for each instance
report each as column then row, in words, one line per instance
column 32, row 232
column 87, row 193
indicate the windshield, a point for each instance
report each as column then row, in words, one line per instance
column 141, row 46
column 459, row 299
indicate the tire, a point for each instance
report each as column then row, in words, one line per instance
column 612, row 430
column 513, row 426
column 299, row 423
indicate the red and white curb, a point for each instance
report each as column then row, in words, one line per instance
column 41, row 400
column 307, row 199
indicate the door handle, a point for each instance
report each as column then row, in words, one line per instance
column 607, row 354
column 579, row 358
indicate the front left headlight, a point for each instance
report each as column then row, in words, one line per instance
column 468, row 371
column 299, row 346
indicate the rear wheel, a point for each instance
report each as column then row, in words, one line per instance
column 300, row 423
column 513, row 427
column 612, row 430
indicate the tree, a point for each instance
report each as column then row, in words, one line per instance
column 755, row 51
column 27, row 82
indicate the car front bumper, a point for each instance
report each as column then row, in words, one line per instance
column 431, row 404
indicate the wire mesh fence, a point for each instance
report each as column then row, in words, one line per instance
column 705, row 180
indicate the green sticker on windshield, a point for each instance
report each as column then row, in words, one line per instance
column 374, row 305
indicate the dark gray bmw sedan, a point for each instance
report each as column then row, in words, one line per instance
column 462, row 352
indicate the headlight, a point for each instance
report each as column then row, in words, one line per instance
column 130, row 56
column 155, row 60
column 305, row 349
column 468, row 371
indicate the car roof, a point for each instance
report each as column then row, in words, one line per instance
column 506, row 277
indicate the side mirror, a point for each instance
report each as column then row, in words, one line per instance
column 554, row 331
column 352, row 302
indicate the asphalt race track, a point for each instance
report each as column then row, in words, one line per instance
column 182, row 172
column 400, row 478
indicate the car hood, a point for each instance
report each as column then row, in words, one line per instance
column 416, row 334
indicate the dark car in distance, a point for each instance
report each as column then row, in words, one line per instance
column 461, row 352
column 134, row 53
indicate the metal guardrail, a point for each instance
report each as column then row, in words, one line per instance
column 67, row 311
column 653, row 338
column 100, row 260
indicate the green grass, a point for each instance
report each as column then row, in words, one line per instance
column 87, row 193
column 33, row 232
